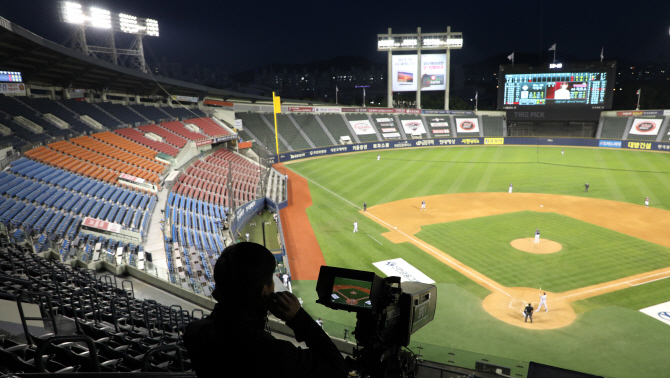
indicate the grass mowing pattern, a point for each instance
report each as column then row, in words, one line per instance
column 590, row 254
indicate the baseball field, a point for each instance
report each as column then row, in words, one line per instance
column 602, row 255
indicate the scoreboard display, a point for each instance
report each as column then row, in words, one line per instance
column 10, row 77
column 586, row 87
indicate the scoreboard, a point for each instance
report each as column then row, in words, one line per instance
column 10, row 77
column 583, row 89
column 569, row 88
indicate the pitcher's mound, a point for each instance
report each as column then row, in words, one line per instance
column 529, row 245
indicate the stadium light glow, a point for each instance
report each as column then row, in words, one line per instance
column 75, row 13
column 152, row 27
column 128, row 23
column 72, row 13
column 101, row 18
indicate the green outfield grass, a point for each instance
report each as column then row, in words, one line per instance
column 610, row 337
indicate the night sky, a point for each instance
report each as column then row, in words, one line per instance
column 240, row 35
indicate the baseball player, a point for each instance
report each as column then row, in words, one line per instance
column 586, row 187
column 528, row 313
column 537, row 235
column 562, row 152
column 319, row 322
column 423, row 205
column 646, row 202
column 510, row 188
column 543, row 302
column 355, row 227
column 365, row 206
column 247, row 235
column 285, row 279
column 378, row 157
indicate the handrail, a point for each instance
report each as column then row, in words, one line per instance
column 93, row 352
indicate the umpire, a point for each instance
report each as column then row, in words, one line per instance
column 528, row 311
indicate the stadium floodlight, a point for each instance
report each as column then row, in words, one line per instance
column 72, row 13
column 152, row 27
column 101, row 18
column 128, row 23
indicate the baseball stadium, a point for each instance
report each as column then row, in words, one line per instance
column 119, row 191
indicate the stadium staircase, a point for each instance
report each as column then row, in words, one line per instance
column 93, row 111
column 314, row 129
column 325, row 130
column 302, row 132
column 291, row 134
column 401, row 129
column 280, row 137
column 377, row 135
column 426, row 125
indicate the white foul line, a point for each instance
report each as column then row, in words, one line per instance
column 621, row 283
column 436, row 253
column 374, row 239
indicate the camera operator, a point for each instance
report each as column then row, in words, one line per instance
column 233, row 337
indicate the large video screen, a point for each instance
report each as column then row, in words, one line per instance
column 549, row 91
column 406, row 78
column 10, row 77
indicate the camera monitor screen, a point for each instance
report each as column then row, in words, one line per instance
column 351, row 292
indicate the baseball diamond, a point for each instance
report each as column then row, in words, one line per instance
column 609, row 254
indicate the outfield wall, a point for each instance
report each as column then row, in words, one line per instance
column 516, row 141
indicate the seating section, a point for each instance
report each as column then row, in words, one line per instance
column 168, row 137
column 181, row 130
column 122, row 331
column 648, row 138
column 123, row 113
column 12, row 107
column 312, row 129
column 367, row 137
column 493, row 126
column 290, row 133
column 613, row 127
column 138, row 136
column 84, row 108
column 259, row 128
column 47, row 106
column 182, row 113
column 209, row 127
column 151, row 112
column 51, row 203
column 336, row 126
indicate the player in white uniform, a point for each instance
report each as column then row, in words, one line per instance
column 285, row 279
column 537, row 236
column 562, row 152
column 510, row 188
column 543, row 302
column 646, row 202
column 247, row 235
column 355, row 226
column 378, row 157
column 423, row 205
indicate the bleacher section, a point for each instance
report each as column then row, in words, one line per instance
column 312, row 129
column 47, row 106
column 181, row 130
column 336, row 126
column 168, row 137
column 117, row 330
column 43, row 200
column 138, row 136
column 209, row 127
column 613, row 127
column 123, row 113
column 257, row 126
column 15, row 108
column 290, row 133
column 178, row 112
column 362, row 138
column 493, row 126
column 84, row 108
column 151, row 112
column 207, row 180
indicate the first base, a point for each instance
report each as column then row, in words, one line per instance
column 395, row 228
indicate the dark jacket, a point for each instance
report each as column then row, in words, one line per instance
column 219, row 346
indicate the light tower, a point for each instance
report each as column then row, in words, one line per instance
column 408, row 73
column 83, row 18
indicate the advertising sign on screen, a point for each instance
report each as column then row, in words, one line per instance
column 13, row 89
column 102, row 225
column 362, row 127
column 645, row 126
column 380, row 120
column 439, row 124
column 441, row 131
column 407, row 79
column 413, row 126
column 467, row 125
column 388, row 129
column 391, row 135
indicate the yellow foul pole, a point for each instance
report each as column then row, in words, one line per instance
column 276, row 101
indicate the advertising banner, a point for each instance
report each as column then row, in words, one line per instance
column 441, row 131
column 17, row 89
column 413, row 126
column 131, row 178
column 203, row 142
column 467, row 125
column 645, row 126
column 102, row 225
column 381, row 120
column 300, row 109
column 494, row 140
column 239, row 124
column 218, row 103
column 327, row 110
column 432, row 77
column 185, row 98
column 439, row 124
column 659, row 312
column 640, row 113
column 403, row 269
column 610, row 143
column 391, row 135
column 388, row 129
column 362, row 127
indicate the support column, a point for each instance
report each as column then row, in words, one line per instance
column 389, row 78
column 446, row 78
column 418, row 68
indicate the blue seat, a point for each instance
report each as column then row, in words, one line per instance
column 64, row 197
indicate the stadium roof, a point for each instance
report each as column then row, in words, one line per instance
column 45, row 63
